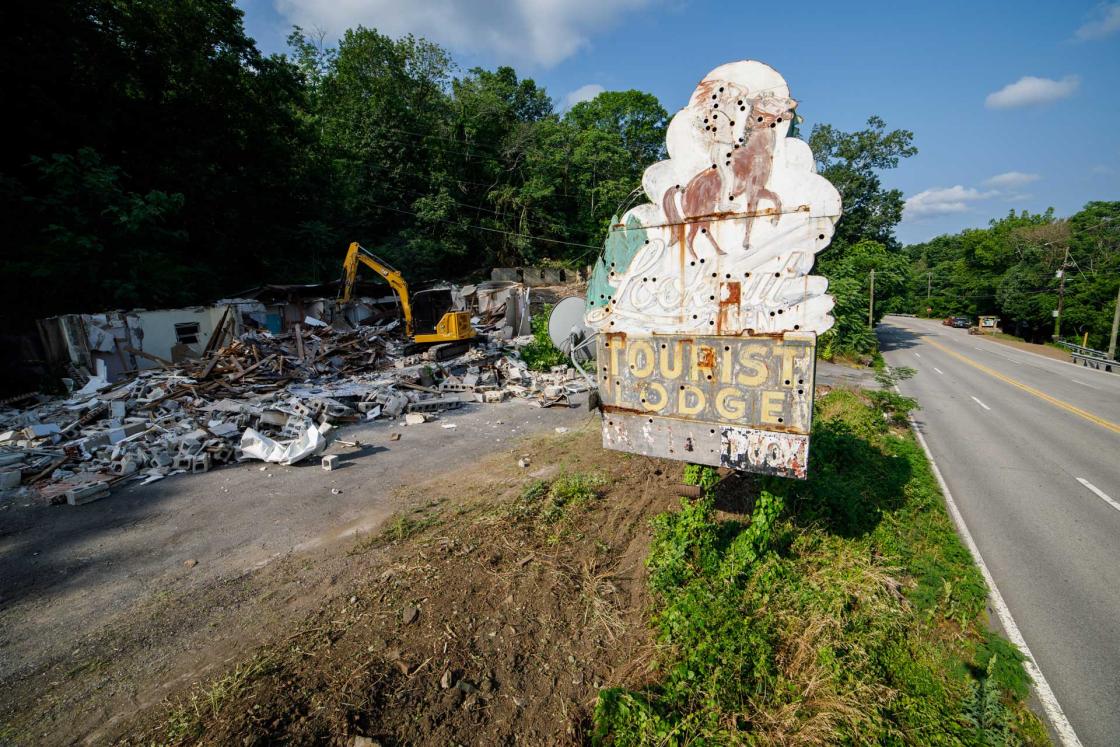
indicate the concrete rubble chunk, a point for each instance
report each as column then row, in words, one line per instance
column 87, row 493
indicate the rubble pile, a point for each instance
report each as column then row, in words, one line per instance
column 263, row 396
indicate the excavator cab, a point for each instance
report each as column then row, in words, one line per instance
column 434, row 318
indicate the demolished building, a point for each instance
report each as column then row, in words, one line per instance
column 263, row 376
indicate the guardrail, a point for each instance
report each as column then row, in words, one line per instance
column 1089, row 357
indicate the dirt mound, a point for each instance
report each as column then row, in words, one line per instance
column 491, row 615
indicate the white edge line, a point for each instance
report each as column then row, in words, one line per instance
column 1082, row 383
column 1046, row 696
column 1036, row 355
column 980, row 403
column 1100, row 493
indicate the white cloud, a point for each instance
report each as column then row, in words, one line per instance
column 542, row 32
column 1105, row 22
column 1029, row 90
column 944, row 201
column 1011, row 180
column 583, row 93
column 1101, row 169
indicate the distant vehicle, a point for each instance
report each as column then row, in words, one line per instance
column 962, row 322
column 947, row 321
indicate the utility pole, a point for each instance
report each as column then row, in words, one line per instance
column 1115, row 327
column 1061, row 293
column 871, row 303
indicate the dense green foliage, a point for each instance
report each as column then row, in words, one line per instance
column 159, row 158
column 841, row 610
column 1010, row 270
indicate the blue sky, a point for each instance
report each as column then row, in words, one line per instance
column 1014, row 105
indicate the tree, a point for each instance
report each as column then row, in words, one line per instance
column 851, row 161
column 636, row 117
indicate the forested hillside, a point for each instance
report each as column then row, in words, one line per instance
column 159, row 158
column 1011, row 269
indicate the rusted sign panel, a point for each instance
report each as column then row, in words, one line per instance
column 715, row 268
column 740, row 402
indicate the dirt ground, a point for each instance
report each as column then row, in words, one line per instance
column 109, row 607
column 488, row 615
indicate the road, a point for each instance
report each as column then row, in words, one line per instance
column 1030, row 449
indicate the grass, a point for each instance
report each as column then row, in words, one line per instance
column 550, row 502
column 187, row 720
column 401, row 527
column 842, row 609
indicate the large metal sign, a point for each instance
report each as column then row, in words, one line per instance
column 707, row 313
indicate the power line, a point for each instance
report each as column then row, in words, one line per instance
column 492, row 230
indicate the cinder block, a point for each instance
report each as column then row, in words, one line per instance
column 126, row 466
column 200, row 463
column 329, row 462
column 87, row 493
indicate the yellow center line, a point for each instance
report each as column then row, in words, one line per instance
column 1028, row 389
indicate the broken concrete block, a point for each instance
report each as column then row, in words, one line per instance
column 493, row 396
column 118, row 409
column 159, row 458
column 41, row 430
column 414, row 418
column 394, row 404
column 435, row 405
column 116, row 435
column 200, row 463
column 87, row 493
column 224, row 429
column 125, row 466
column 329, row 462
column 453, row 384
column 274, row 417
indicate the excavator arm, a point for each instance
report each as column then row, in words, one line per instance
column 357, row 254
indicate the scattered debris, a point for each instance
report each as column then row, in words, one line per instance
column 410, row 614
column 272, row 397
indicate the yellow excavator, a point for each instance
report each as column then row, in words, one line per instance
column 429, row 318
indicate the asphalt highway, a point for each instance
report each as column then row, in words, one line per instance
column 1030, row 449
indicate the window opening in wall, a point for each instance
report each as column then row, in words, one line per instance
column 187, row 333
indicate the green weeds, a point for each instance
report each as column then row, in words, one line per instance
column 548, row 503
column 541, row 354
column 186, row 721
column 842, row 609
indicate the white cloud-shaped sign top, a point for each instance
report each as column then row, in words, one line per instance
column 736, row 217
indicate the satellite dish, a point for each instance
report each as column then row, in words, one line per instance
column 566, row 328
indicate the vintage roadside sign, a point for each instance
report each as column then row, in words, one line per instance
column 706, row 312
